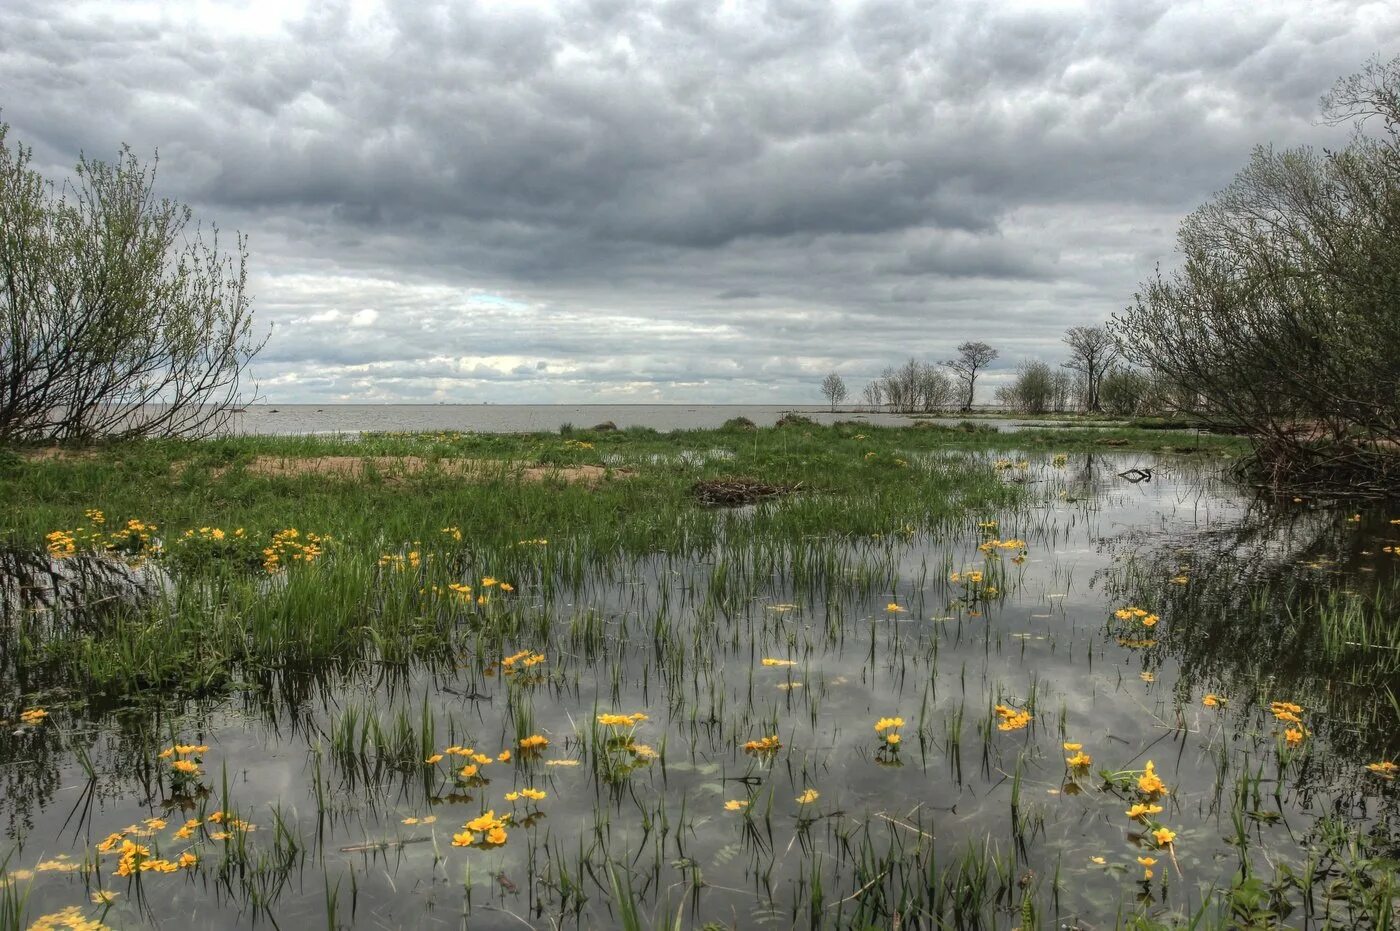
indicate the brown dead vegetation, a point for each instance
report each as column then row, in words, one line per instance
column 390, row 468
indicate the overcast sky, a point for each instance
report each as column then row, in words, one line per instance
column 516, row 201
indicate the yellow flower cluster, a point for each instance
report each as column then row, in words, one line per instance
column 1080, row 760
column 33, row 716
column 769, row 744
column 990, row 547
column 621, row 720
column 533, row 744
column 888, row 728
column 1212, row 700
column 973, row 577
column 288, row 546
column 67, row 919
column 1385, row 769
column 484, row 831
column 1011, row 718
column 808, row 796
column 1149, row 783
column 135, row 537
column 525, row 659
column 1288, row 713
column 182, row 767
column 534, row 795
column 770, row 661
column 1140, row 615
column 413, row 559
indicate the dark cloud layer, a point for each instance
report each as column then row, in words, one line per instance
column 607, row 200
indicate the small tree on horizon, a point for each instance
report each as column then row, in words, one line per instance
column 834, row 389
column 1092, row 353
column 972, row 358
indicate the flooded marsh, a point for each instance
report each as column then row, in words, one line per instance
column 941, row 681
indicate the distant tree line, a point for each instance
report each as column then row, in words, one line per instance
column 1093, row 378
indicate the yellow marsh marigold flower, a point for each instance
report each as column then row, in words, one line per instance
column 483, row 822
column 885, row 724
column 185, row 767
column 463, row 839
column 767, row 744
column 507, row 587
column 503, row 757
column 1150, row 620
column 1294, row 736
column 1385, row 769
column 496, row 835
column 735, row 804
column 33, row 716
column 1147, row 864
column 534, row 795
column 1140, row 811
column 1163, row 837
column 1072, row 747
column 1011, row 719
column 808, row 796
column 488, row 582
column 1149, row 783
column 894, row 608
column 770, row 661
column 104, row 896
column 435, row 758
column 1080, row 760
column 1212, row 701
column 892, row 739
column 534, row 742
column 468, row 771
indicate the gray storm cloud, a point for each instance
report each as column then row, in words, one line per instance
column 676, row 201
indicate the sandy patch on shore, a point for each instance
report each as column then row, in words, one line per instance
column 354, row 468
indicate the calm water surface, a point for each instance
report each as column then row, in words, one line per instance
column 530, row 418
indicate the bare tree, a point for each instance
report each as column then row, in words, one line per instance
column 834, row 389
column 116, row 317
column 972, row 358
column 1092, row 352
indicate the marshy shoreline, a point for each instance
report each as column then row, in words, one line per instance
column 809, row 675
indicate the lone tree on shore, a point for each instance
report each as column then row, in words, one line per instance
column 117, row 318
column 972, row 358
column 834, row 389
column 1092, row 352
